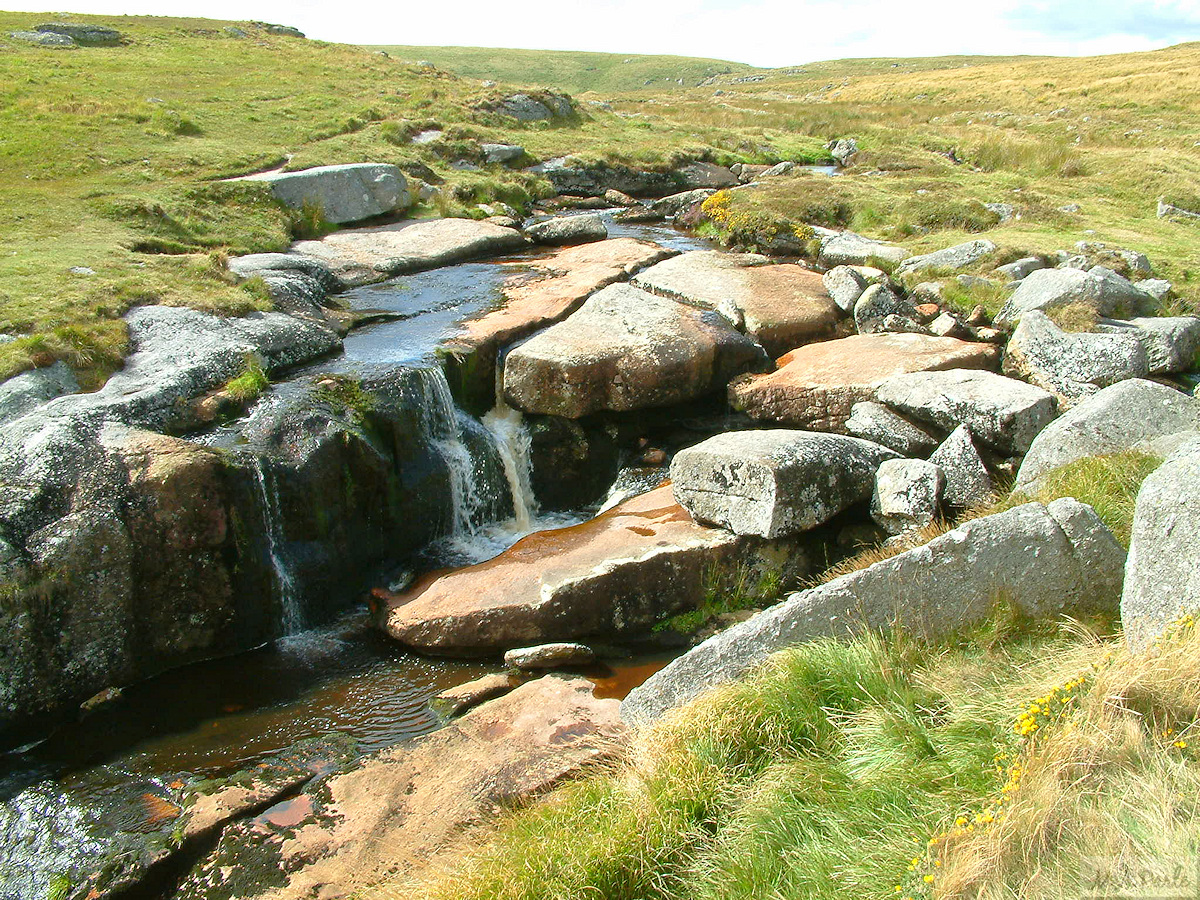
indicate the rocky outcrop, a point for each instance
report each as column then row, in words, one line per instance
column 561, row 282
column 347, row 193
column 23, row 392
column 626, row 349
column 816, row 386
column 782, row 306
column 1101, row 290
column 620, row 572
column 364, row 255
column 1162, row 578
column 706, row 175
column 1045, row 560
column 1072, row 365
column 1115, row 419
column 394, row 812
column 776, row 482
column 1005, row 413
column 133, row 552
column 563, row 230
column 957, row 257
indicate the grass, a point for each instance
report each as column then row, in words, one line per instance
column 250, row 383
column 574, row 71
column 987, row 766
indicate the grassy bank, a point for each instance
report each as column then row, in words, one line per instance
column 1012, row 761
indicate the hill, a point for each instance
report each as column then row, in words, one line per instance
column 574, row 71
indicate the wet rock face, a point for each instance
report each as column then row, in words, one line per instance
column 394, row 812
column 626, row 349
column 129, row 552
column 619, row 573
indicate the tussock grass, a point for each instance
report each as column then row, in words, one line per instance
column 841, row 769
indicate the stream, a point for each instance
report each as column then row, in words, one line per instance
column 214, row 718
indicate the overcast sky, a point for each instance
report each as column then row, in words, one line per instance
column 761, row 32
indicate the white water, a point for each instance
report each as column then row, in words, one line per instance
column 285, row 583
column 507, row 428
column 443, row 424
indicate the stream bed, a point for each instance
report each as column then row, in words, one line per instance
column 222, row 716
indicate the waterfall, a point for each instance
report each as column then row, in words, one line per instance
column 507, row 428
column 285, row 584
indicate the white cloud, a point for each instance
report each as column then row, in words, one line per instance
column 763, row 32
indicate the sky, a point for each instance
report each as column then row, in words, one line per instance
column 759, row 32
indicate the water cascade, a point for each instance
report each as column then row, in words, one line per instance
column 292, row 611
column 507, row 428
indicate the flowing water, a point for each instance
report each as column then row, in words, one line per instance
column 222, row 716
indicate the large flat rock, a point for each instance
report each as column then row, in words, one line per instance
column 816, row 386
column 774, row 482
column 1046, row 560
column 627, row 349
column 782, row 306
column 627, row 568
column 560, row 283
column 364, row 255
column 346, row 193
column 394, row 812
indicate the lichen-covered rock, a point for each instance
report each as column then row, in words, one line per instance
column 627, row 349
column 346, row 193
column 775, row 482
column 1045, row 560
column 881, row 309
column 1002, row 412
column 845, row 285
column 1170, row 342
column 1162, row 577
column 1115, row 419
column 957, row 257
column 875, row 422
column 23, row 392
column 968, row 482
column 847, row 248
column 1068, row 364
column 907, row 494
column 1100, row 289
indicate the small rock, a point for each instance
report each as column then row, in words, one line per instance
column 674, row 204
column 957, row 257
column 873, row 421
column 907, row 494
column 456, row 700
column 876, row 304
column 1157, row 288
column 81, row 270
column 1021, row 268
column 967, row 480
column 285, row 31
column 568, row 230
column 501, row 153
column 87, row 35
column 618, row 198
column 845, row 285
column 843, row 150
column 549, row 656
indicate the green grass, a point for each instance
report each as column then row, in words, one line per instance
column 573, row 71
column 250, row 383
